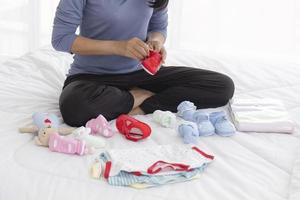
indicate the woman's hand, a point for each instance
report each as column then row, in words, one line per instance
column 158, row 47
column 134, row 48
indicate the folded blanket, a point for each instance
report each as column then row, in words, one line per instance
column 260, row 115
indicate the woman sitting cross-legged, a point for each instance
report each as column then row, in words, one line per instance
column 106, row 76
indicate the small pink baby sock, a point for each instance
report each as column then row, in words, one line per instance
column 62, row 144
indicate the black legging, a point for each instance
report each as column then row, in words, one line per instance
column 85, row 96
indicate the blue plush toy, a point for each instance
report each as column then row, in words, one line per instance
column 45, row 124
column 42, row 120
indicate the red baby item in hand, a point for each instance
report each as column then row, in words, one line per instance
column 133, row 129
column 152, row 63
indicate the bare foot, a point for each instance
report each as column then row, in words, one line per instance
column 140, row 95
column 136, row 111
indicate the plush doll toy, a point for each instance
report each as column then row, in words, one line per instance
column 45, row 124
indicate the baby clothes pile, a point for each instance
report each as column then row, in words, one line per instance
column 260, row 115
column 153, row 166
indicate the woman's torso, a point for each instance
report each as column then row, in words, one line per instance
column 112, row 20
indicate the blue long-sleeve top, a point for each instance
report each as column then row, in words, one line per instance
column 105, row 20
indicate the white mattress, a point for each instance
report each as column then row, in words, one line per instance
column 247, row 165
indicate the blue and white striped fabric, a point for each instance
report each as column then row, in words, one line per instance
column 127, row 178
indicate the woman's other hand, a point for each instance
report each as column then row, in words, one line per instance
column 134, row 48
column 158, row 47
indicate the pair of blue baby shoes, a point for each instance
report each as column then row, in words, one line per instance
column 205, row 124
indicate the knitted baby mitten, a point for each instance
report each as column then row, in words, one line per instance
column 165, row 118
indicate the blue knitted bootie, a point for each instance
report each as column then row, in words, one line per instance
column 189, row 133
column 222, row 125
column 205, row 127
column 186, row 110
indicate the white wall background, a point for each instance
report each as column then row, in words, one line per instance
column 252, row 28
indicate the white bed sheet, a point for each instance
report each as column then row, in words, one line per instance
column 247, row 165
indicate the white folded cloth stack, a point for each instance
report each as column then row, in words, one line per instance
column 260, row 115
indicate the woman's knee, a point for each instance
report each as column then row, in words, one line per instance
column 228, row 87
column 73, row 105
column 220, row 83
column 80, row 104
